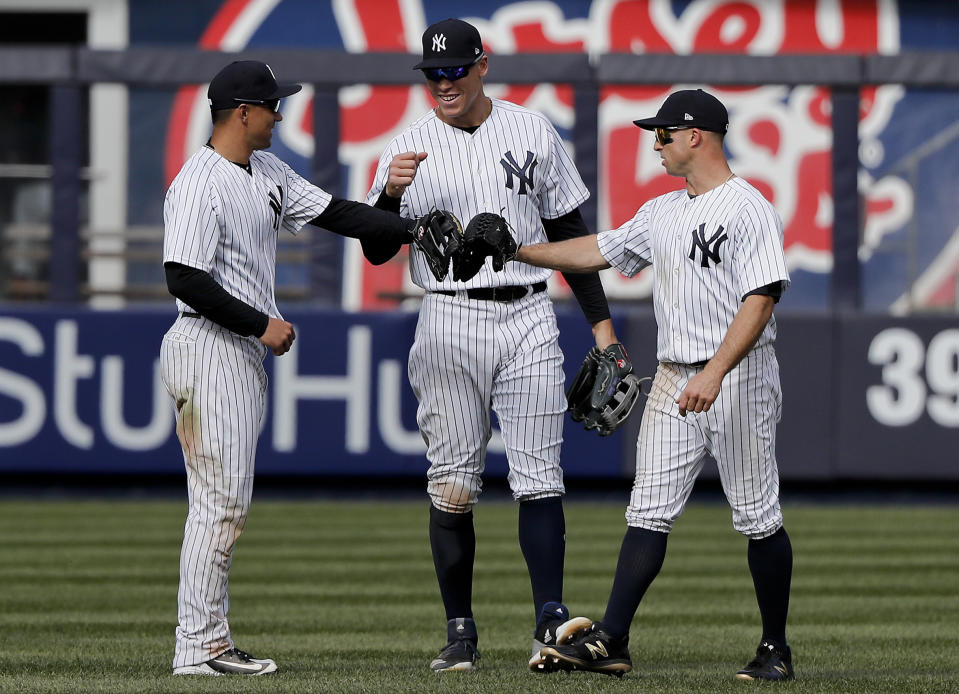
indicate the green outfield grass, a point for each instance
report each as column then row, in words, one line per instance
column 343, row 597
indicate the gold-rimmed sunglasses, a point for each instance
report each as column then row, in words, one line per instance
column 663, row 136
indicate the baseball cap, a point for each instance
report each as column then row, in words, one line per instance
column 692, row 108
column 246, row 81
column 450, row 43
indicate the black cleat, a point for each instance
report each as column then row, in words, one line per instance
column 594, row 651
column 554, row 627
column 770, row 663
column 459, row 654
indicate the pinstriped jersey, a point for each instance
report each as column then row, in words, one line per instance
column 514, row 164
column 221, row 219
column 708, row 252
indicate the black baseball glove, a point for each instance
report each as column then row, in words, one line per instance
column 438, row 235
column 486, row 235
column 605, row 390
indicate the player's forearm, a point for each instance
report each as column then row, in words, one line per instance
column 743, row 332
column 603, row 333
column 586, row 287
column 198, row 290
column 360, row 221
column 574, row 255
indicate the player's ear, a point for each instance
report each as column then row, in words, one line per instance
column 483, row 66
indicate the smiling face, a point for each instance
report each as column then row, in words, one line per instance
column 462, row 103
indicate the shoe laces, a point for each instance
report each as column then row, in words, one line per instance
column 764, row 654
column 452, row 646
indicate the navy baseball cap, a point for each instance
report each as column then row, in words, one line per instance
column 246, row 82
column 691, row 108
column 450, row 43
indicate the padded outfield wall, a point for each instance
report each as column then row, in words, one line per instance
column 864, row 397
column 867, row 395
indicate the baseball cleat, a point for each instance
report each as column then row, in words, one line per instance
column 593, row 651
column 231, row 662
column 554, row 627
column 459, row 654
column 770, row 663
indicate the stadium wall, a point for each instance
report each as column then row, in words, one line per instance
column 865, row 397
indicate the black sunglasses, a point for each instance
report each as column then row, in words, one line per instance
column 272, row 104
column 663, row 136
column 435, row 74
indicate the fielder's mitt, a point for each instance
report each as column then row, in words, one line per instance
column 605, row 390
column 486, row 235
column 438, row 235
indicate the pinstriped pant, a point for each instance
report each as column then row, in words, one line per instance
column 470, row 356
column 739, row 431
column 218, row 384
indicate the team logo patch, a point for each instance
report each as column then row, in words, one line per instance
column 276, row 205
column 709, row 247
column 439, row 42
column 524, row 173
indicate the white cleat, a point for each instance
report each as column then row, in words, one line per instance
column 231, row 662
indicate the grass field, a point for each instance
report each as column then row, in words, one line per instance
column 343, row 597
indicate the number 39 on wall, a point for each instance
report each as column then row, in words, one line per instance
column 915, row 378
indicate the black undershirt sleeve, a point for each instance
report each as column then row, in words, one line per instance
column 198, row 290
column 361, row 221
column 773, row 289
column 587, row 288
column 378, row 252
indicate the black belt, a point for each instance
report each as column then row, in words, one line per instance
column 511, row 293
column 190, row 314
column 698, row 364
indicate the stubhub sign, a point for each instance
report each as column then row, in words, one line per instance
column 81, row 392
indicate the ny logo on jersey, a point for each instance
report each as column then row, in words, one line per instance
column 524, row 172
column 439, row 42
column 708, row 247
column 276, row 204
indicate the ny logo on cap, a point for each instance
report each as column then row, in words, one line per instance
column 439, row 42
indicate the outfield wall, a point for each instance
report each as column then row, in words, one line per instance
column 80, row 392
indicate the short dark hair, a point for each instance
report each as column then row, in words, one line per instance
column 220, row 115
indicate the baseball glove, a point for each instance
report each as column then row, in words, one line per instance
column 605, row 390
column 438, row 235
column 486, row 235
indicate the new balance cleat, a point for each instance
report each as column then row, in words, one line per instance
column 593, row 651
column 770, row 663
column 553, row 628
column 231, row 662
column 459, row 653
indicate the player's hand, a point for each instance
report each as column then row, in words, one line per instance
column 402, row 172
column 279, row 336
column 700, row 393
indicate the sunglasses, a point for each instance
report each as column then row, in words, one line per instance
column 435, row 74
column 272, row 104
column 663, row 136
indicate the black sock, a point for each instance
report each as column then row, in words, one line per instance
column 454, row 546
column 771, row 564
column 542, row 537
column 640, row 559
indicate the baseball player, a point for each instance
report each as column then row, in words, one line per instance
column 491, row 341
column 717, row 252
column 221, row 217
